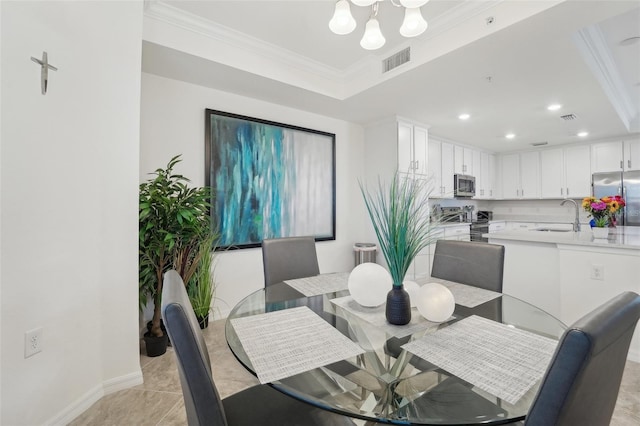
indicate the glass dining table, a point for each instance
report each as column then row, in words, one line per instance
column 390, row 384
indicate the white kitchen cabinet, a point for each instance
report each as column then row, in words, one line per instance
column 497, row 226
column 521, row 175
column 421, row 267
column 441, row 159
column 520, row 226
column 395, row 145
column 615, row 156
column 632, row 154
column 606, row 157
column 566, row 172
column 485, row 175
column 463, row 160
column 412, row 149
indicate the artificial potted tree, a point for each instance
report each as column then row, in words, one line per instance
column 174, row 220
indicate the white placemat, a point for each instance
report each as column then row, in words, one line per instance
column 467, row 295
column 284, row 343
column 377, row 317
column 320, row 284
column 502, row 360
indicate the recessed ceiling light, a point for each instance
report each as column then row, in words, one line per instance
column 554, row 107
column 510, row 135
column 583, row 134
column 464, row 116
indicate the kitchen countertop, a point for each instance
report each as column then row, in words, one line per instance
column 625, row 237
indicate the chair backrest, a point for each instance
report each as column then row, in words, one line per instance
column 289, row 258
column 582, row 381
column 201, row 399
column 473, row 263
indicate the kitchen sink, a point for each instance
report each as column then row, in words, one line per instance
column 552, row 230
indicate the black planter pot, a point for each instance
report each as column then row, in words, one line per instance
column 398, row 309
column 162, row 327
column 156, row 346
column 203, row 321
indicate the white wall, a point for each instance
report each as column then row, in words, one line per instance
column 172, row 122
column 69, row 175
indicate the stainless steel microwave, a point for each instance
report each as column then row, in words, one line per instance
column 464, row 186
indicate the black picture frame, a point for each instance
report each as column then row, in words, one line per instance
column 268, row 180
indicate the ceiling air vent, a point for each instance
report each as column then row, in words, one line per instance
column 395, row 60
column 568, row 117
column 539, row 143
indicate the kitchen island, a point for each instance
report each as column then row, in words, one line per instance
column 570, row 273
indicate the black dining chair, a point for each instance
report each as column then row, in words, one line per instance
column 469, row 262
column 289, row 258
column 258, row 405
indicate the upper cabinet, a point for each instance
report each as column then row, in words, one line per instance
column 566, row 172
column 615, row 156
column 441, row 159
column 412, row 149
column 485, row 166
column 463, row 160
column 632, row 154
column 521, row 175
column 395, row 145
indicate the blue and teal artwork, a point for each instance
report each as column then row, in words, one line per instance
column 269, row 180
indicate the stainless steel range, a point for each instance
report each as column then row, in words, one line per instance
column 481, row 226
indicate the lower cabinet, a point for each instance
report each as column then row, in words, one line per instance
column 420, row 269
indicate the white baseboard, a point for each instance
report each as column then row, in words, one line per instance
column 123, row 382
column 83, row 403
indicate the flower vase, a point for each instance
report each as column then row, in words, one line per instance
column 398, row 310
column 600, row 233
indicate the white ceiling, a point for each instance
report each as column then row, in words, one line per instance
column 504, row 79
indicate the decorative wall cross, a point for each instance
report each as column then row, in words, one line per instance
column 44, row 71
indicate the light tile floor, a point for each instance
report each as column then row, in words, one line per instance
column 159, row 400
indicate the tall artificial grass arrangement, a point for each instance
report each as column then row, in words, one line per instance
column 399, row 213
column 400, row 216
column 201, row 289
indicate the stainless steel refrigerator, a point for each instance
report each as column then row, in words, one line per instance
column 626, row 184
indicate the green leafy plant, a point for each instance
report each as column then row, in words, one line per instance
column 174, row 220
column 400, row 216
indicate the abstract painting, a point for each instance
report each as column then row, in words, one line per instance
column 268, row 180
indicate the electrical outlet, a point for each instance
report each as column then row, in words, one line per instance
column 597, row 272
column 32, row 342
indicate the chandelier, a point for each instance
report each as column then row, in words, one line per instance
column 342, row 21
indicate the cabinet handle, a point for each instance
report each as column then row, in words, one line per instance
column 417, row 164
column 621, row 164
column 628, row 164
column 561, row 191
column 567, row 192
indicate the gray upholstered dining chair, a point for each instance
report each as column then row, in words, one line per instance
column 469, row 262
column 289, row 258
column 258, row 405
column 581, row 384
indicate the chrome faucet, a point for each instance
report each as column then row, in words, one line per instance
column 576, row 222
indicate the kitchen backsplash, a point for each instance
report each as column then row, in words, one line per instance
column 520, row 210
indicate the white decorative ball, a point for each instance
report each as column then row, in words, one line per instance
column 413, row 289
column 369, row 284
column 435, row 302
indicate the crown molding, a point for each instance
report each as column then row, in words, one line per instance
column 171, row 15
column 593, row 47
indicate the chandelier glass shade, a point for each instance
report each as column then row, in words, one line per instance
column 343, row 22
